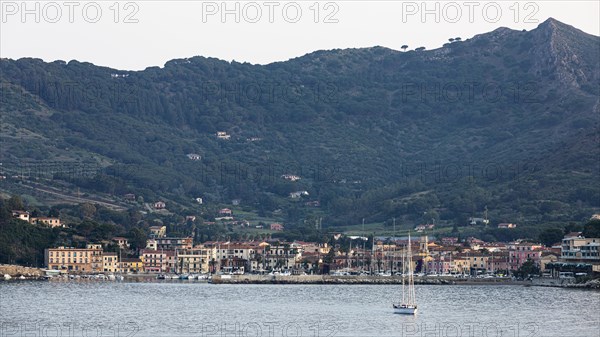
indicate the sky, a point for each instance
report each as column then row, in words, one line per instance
column 133, row 35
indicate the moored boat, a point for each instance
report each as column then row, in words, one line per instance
column 408, row 305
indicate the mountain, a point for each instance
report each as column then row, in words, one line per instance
column 507, row 120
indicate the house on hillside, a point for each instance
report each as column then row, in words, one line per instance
column 160, row 205
column 507, row 225
column 298, row 194
column 475, row 221
column 129, row 197
column 276, row 227
column 21, row 215
column 48, row 221
column 421, row 228
column 290, row 177
column 223, row 135
column 193, row 156
column 158, row 231
column 225, row 212
column 122, row 242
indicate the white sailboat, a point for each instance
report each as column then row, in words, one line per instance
column 408, row 306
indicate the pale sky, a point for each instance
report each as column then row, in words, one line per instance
column 133, row 35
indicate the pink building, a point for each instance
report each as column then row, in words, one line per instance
column 498, row 262
column 439, row 265
column 521, row 252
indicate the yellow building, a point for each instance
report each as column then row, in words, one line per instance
column 97, row 264
column 545, row 259
column 110, row 262
column 73, row 259
column 194, row 261
column 133, row 265
column 478, row 261
column 460, row 265
column 158, row 231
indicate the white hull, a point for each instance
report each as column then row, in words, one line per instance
column 410, row 310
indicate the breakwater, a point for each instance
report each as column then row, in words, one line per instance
column 9, row 271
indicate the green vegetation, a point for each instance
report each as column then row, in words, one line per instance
column 373, row 133
column 592, row 229
column 529, row 268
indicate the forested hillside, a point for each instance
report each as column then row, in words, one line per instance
column 507, row 120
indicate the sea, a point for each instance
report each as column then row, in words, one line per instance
column 170, row 308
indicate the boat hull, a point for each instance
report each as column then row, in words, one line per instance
column 405, row 310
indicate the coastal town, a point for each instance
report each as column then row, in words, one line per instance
column 166, row 256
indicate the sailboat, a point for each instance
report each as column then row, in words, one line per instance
column 408, row 306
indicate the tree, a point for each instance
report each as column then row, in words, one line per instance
column 15, row 203
column 137, row 238
column 420, row 49
column 404, row 47
column 451, row 39
column 87, row 210
column 330, row 255
column 572, row 227
column 550, row 236
column 431, row 216
column 592, row 229
column 54, row 212
column 528, row 268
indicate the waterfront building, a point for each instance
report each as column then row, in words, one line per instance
column 159, row 261
column 576, row 248
column 520, row 252
column 110, row 262
column 460, row 265
column 131, row 265
column 194, row 261
column 71, row 259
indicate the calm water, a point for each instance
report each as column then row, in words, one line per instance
column 200, row 309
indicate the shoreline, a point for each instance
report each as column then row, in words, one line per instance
column 331, row 279
column 22, row 273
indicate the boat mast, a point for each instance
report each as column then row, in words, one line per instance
column 394, row 253
column 411, row 281
column 403, row 275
